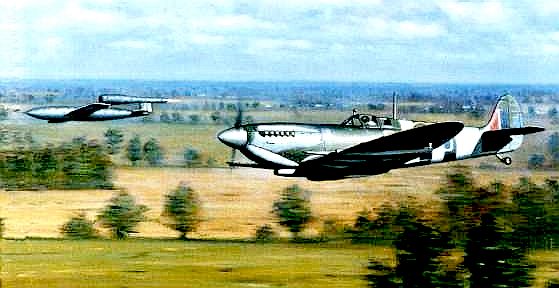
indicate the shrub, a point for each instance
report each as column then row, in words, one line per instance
column 191, row 157
column 264, row 233
column 78, row 227
column 182, row 210
column 536, row 161
column 153, row 153
column 134, row 150
column 2, row 228
column 113, row 138
column 293, row 209
column 332, row 229
column 122, row 215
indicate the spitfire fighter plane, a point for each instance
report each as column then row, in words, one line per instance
column 365, row 144
column 99, row 111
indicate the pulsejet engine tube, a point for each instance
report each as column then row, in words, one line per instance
column 117, row 99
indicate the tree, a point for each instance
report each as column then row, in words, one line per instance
column 264, row 233
column 553, row 148
column 384, row 228
column 216, row 117
column 536, row 212
column 493, row 259
column 153, row 153
column 113, row 138
column 194, row 118
column 134, row 150
column 2, row 228
column 191, row 157
column 420, row 250
column 536, row 161
column 465, row 202
column 293, row 209
column 553, row 113
column 182, row 210
column 79, row 227
column 532, row 112
column 164, row 117
column 177, row 117
column 122, row 215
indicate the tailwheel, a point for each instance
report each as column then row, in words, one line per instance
column 505, row 160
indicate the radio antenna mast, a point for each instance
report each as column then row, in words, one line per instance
column 394, row 106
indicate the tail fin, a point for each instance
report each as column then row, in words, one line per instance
column 505, row 130
column 506, row 114
column 146, row 107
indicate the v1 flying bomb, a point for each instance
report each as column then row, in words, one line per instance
column 365, row 144
column 99, row 111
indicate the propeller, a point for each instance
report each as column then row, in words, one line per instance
column 239, row 118
column 238, row 123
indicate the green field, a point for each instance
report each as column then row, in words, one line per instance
column 166, row 263
column 169, row 263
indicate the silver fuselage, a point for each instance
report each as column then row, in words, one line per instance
column 58, row 114
column 284, row 146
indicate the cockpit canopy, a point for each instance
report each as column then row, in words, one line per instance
column 368, row 121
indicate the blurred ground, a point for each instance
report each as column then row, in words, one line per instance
column 234, row 201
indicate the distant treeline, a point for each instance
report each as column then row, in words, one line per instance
column 296, row 94
column 78, row 164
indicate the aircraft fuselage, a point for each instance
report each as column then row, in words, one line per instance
column 367, row 145
column 59, row 114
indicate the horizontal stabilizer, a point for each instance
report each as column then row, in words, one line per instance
column 495, row 140
column 519, row 131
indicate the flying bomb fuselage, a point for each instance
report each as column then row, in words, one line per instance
column 59, row 114
column 100, row 111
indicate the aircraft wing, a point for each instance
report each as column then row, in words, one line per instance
column 86, row 110
column 395, row 149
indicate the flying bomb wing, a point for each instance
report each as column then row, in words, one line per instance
column 86, row 110
column 397, row 148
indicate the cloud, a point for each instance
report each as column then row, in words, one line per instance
column 383, row 28
column 264, row 45
column 74, row 16
column 480, row 13
column 205, row 39
column 309, row 39
column 131, row 44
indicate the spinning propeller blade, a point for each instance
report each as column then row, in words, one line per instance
column 238, row 123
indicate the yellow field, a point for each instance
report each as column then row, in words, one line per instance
column 235, row 201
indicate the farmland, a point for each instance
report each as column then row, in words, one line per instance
column 234, row 203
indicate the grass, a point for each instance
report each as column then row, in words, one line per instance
column 155, row 263
column 171, row 263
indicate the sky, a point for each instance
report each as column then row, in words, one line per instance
column 428, row 41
